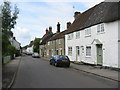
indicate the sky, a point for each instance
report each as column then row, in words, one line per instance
column 35, row 17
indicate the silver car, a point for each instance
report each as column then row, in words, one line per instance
column 35, row 55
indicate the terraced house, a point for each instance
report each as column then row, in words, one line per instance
column 53, row 44
column 94, row 37
column 44, row 42
column 56, row 44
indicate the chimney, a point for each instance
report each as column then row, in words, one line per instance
column 58, row 27
column 68, row 24
column 46, row 31
column 50, row 29
column 76, row 14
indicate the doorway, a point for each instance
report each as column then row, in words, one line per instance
column 77, row 52
column 99, row 54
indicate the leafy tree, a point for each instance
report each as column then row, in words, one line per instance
column 9, row 17
column 36, row 44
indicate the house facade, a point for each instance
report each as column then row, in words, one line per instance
column 94, row 36
column 15, row 43
column 29, row 49
column 44, row 43
column 54, row 44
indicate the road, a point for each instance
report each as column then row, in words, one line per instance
column 37, row 73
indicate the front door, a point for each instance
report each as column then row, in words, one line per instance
column 77, row 52
column 99, row 54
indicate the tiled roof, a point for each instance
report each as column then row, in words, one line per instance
column 104, row 12
column 46, row 37
column 58, row 35
column 101, row 13
column 79, row 22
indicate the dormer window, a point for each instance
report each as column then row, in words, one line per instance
column 100, row 28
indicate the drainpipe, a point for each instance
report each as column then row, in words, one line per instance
column 55, row 46
column 64, row 44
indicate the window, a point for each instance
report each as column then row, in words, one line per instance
column 77, row 34
column 48, row 43
column 70, row 36
column 88, row 32
column 100, row 28
column 63, row 57
column 88, row 51
column 59, row 41
column 70, row 51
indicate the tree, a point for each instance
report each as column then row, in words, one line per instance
column 8, row 22
column 36, row 44
column 9, row 17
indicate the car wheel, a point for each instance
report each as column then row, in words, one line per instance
column 68, row 65
column 56, row 64
column 50, row 63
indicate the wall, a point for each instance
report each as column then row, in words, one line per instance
column 109, row 39
column 55, row 45
column 15, row 43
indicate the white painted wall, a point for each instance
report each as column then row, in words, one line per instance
column 30, row 49
column 109, row 39
column 15, row 43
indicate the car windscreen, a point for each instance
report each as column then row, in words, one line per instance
column 63, row 57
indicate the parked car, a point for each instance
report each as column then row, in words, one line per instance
column 58, row 60
column 29, row 53
column 35, row 55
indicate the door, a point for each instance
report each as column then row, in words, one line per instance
column 99, row 54
column 82, row 53
column 77, row 52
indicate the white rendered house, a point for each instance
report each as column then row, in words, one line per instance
column 96, row 40
column 15, row 43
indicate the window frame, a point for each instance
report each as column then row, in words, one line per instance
column 78, row 35
column 101, row 28
column 88, row 53
column 70, row 36
column 87, row 32
column 70, row 51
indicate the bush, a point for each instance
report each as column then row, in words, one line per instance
column 11, row 51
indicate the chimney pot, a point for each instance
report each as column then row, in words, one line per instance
column 76, row 14
column 58, row 27
column 50, row 29
column 68, row 24
column 46, row 31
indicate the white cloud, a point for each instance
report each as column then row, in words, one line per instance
column 22, row 35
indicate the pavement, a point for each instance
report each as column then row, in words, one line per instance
column 9, row 71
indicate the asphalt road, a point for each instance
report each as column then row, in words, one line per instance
column 37, row 73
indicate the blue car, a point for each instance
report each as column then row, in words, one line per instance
column 58, row 60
